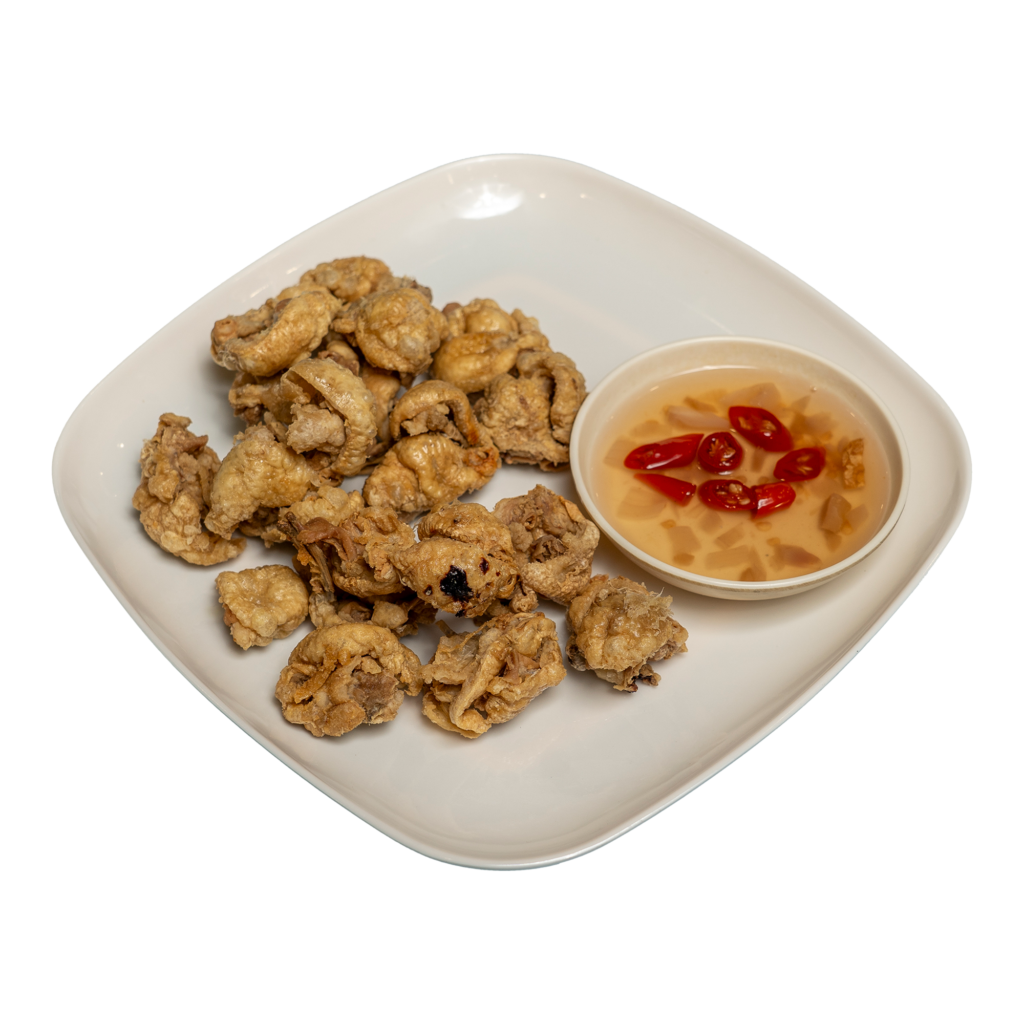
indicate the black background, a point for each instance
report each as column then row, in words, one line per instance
column 860, row 768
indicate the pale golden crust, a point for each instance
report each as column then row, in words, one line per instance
column 485, row 342
column 435, row 407
column 267, row 340
column 343, row 676
column 351, row 557
column 178, row 470
column 327, row 502
column 530, row 417
column 481, row 679
column 396, row 330
column 264, row 604
column 554, row 543
column 258, row 472
column 332, row 412
column 617, row 627
column 351, row 278
column 422, row 472
column 463, row 562
column 384, row 386
column 251, row 397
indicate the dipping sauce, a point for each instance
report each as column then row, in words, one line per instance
column 831, row 516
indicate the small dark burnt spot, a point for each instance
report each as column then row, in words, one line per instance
column 455, row 584
column 484, row 565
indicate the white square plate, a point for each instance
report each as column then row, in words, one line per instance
column 610, row 271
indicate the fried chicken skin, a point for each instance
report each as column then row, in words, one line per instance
column 463, row 562
column 485, row 342
column 440, row 453
column 343, row 676
column 617, row 627
column 258, row 472
column 351, row 278
column 353, row 555
column 178, row 470
column 487, row 677
column 332, row 411
column 554, row 543
column 264, row 604
column 396, row 330
column 435, row 407
column 530, row 416
column 267, row 340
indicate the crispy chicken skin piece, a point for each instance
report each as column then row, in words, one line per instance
column 476, row 680
column 463, row 561
column 384, row 386
column 554, row 543
column 616, row 627
column 251, row 397
column 258, row 472
column 419, row 473
column 327, row 502
column 332, row 411
column 530, row 417
column 343, row 676
column 350, row 557
column 264, row 604
column 395, row 330
column 435, row 407
column 178, row 470
column 485, row 342
column 440, row 453
column 351, row 278
column 267, row 340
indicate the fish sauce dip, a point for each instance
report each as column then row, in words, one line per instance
column 830, row 517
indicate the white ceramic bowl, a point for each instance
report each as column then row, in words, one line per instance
column 618, row 393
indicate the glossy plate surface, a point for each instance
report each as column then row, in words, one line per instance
column 610, row 271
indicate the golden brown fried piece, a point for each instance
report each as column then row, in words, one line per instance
column 335, row 347
column 384, row 386
column 530, row 417
column 419, row 473
column 441, row 452
column 463, row 562
column 396, row 330
column 333, row 412
column 351, row 556
column 435, row 407
column 403, row 613
column 251, row 397
column 485, row 342
column 259, row 472
column 264, row 604
column 267, row 340
column 178, row 470
column 327, row 502
column 554, row 543
column 346, row 675
column 484, row 678
column 351, row 278
column 617, row 627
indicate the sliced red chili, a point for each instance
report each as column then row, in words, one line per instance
column 720, row 453
column 680, row 491
column 667, row 454
column 802, row 464
column 727, row 495
column 760, row 428
column 771, row 498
